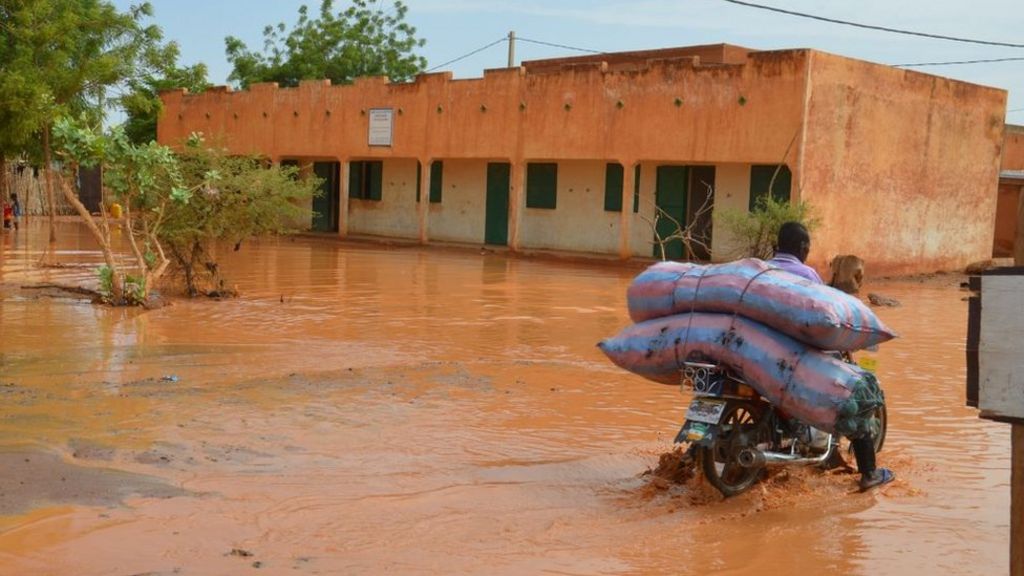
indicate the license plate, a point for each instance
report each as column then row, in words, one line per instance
column 705, row 410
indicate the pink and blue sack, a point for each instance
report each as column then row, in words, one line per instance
column 813, row 386
column 817, row 315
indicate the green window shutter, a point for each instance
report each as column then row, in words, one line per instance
column 436, row 170
column 613, row 175
column 355, row 179
column 374, row 179
column 419, row 179
column 636, row 189
column 541, row 185
column 761, row 177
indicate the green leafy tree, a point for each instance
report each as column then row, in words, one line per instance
column 145, row 180
column 757, row 230
column 342, row 46
column 67, row 54
column 236, row 198
column 142, row 104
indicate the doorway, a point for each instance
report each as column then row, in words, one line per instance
column 496, row 209
column 325, row 206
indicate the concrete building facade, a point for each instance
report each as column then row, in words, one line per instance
column 1011, row 183
column 575, row 154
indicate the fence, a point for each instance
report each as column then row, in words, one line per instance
column 29, row 184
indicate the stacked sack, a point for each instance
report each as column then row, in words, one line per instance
column 769, row 326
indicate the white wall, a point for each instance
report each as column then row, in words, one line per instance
column 732, row 191
column 578, row 222
column 394, row 215
column 461, row 215
column 641, row 233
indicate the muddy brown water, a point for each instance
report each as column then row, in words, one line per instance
column 365, row 410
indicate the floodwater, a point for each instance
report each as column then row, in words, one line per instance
column 365, row 409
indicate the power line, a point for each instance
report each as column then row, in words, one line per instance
column 542, row 43
column 872, row 27
column 959, row 62
column 468, row 54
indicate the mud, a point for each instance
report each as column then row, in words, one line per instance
column 366, row 409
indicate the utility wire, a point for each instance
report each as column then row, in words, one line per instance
column 468, row 54
column 542, row 43
column 959, row 62
column 872, row 27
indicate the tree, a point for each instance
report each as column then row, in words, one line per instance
column 145, row 180
column 68, row 53
column 237, row 198
column 757, row 230
column 142, row 104
column 357, row 41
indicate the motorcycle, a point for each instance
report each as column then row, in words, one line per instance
column 735, row 433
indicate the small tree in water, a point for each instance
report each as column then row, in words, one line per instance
column 757, row 230
column 146, row 181
column 236, row 197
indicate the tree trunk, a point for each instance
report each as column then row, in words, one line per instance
column 49, row 256
column 117, row 287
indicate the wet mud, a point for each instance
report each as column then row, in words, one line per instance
column 365, row 409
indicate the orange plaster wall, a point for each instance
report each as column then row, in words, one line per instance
column 514, row 115
column 901, row 167
column 1013, row 148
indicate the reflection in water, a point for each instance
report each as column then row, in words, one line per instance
column 364, row 409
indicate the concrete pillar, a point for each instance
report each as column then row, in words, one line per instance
column 343, row 200
column 517, row 203
column 423, row 206
column 626, row 217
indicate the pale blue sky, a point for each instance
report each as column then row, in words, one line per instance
column 455, row 27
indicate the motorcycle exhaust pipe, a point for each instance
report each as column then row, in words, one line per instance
column 754, row 458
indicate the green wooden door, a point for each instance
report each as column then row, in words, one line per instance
column 496, row 215
column 670, row 192
column 325, row 206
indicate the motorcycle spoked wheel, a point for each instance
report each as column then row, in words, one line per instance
column 739, row 428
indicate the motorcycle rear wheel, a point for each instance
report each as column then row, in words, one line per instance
column 738, row 429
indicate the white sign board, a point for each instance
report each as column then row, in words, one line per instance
column 1001, row 347
column 381, row 124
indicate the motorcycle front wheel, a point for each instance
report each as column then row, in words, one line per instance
column 738, row 429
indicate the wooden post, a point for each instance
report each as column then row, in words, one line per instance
column 1017, row 439
column 1017, row 501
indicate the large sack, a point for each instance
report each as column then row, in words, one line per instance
column 813, row 386
column 813, row 313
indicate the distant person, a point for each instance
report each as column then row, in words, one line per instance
column 791, row 250
column 8, row 215
column 16, row 208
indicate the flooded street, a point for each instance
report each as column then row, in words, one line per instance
column 364, row 409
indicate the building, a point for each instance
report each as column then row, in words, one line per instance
column 1011, row 182
column 575, row 153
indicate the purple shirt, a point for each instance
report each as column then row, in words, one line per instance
column 793, row 265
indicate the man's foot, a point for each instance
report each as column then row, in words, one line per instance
column 877, row 478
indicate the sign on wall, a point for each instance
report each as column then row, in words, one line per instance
column 995, row 365
column 381, row 126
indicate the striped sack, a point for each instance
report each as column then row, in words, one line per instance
column 813, row 313
column 812, row 386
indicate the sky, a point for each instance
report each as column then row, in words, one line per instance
column 453, row 28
